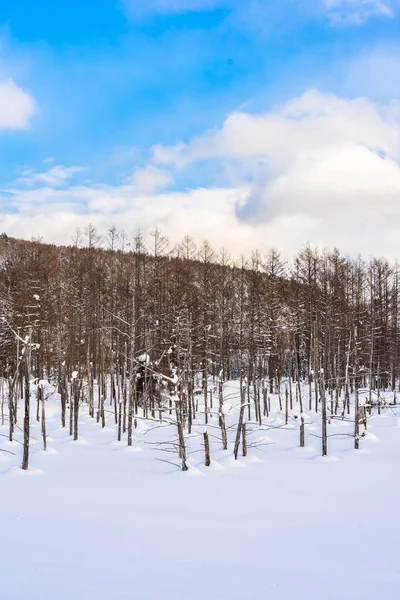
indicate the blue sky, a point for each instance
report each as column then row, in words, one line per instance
column 111, row 80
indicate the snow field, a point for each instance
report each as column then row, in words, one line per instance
column 98, row 520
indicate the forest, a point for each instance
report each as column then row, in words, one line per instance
column 138, row 329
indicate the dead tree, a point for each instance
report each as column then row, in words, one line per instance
column 75, row 400
column 244, row 440
column 43, row 418
column 240, row 424
column 181, row 436
column 221, row 413
column 27, row 397
column 63, row 389
column 356, row 400
column 302, row 431
column 286, row 405
column 206, row 448
column 323, row 411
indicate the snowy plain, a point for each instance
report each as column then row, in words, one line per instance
column 95, row 519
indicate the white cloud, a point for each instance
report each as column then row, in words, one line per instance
column 149, row 179
column 354, row 12
column 55, row 214
column 310, row 122
column 323, row 169
column 359, row 11
column 56, row 176
column 16, row 106
column 316, row 155
column 203, row 214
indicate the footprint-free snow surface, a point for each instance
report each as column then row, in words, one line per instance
column 95, row 519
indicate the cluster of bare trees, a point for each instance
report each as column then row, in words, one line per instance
column 93, row 308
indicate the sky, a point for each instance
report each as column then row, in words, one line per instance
column 249, row 123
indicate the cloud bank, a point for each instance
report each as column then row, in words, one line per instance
column 315, row 156
column 358, row 11
column 16, row 106
column 318, row 168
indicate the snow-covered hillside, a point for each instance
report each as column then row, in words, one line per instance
column 94, row 519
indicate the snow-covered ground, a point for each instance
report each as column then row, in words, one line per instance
column 96, row 520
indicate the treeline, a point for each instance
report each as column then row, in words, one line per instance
column 96, row 304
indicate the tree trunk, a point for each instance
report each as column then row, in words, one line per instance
column 27, row 394
column 239, row 427
column 206, row 449
column 244, row 440
column 356, row 401
column 181, row 437
column 44, row 422
column 323, row 408
column 75, row 400
column 302, row 432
